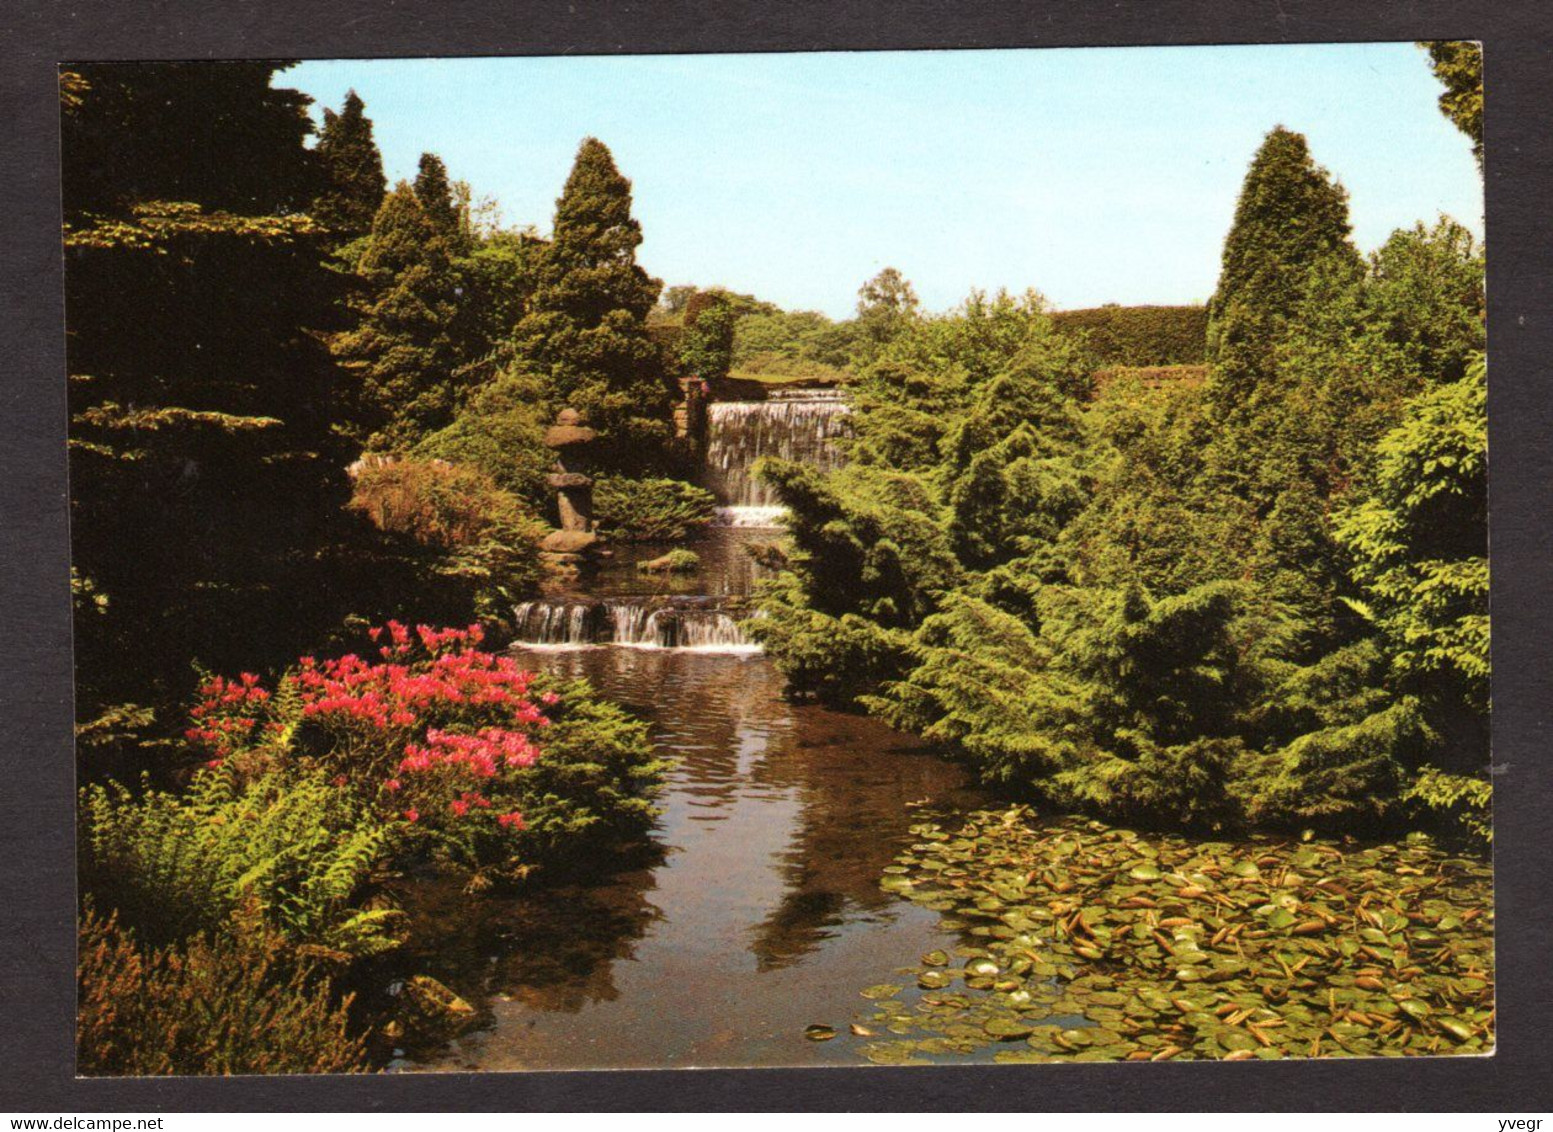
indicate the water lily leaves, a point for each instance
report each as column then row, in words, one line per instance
column 881, row 990
column 819, row 1033
column 1097, row 943
column 1008, row 1029
column 892, row 1053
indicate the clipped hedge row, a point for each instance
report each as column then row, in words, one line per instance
column 1139, row 336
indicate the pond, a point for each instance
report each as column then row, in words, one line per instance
column 756, row 909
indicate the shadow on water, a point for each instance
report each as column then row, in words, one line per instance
column 754, row 911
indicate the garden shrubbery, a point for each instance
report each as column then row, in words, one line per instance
column 1138, row 336
column 303, row 797
column 650, row 510
column 478, row 543
column 1258, row 599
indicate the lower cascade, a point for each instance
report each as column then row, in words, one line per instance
column 648, row 623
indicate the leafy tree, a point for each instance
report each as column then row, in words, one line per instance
column 706, row 346
column 585, row 327
column 885, row 304
column 402, row 353
column 353, row 168
column 1458, row 64
column 673, row 300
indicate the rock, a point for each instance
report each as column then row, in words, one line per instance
column 568, row 542
column 433, row 1008
column 565, row 436
column 568, row 479
column 677, row 561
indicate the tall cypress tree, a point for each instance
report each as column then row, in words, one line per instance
column 353, row 167
column 435, row 192
column 586, row 324
column 402, row 351
column 1290, row 219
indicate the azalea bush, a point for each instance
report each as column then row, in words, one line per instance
column 472, row 544
column 462, row 752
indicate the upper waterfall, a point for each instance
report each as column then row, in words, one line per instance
column 801, row 425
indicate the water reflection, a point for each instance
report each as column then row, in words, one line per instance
column 754, row 912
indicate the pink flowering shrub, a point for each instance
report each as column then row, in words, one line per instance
column 461, row 749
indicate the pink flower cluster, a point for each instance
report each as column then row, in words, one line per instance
column 391, row 695
column 225, row 717
column 436, row 723
column 481, row 753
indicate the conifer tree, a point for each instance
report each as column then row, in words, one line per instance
column 1459, row 65
column 353, row 168
column 435, row 193
column 1291, row 219
column 586, row 324
column 402, row 352
column 207, row 479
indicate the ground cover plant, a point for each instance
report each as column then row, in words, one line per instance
column 1086, row 942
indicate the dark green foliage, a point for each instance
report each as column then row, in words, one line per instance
column 594, row 781
column 650, row 510
column 1458, row 64
column 706, row 344
column 585, row 327
column 435, row 194
column 1291, row 224
column 1139, row 336
column 1419, row 542
column 220, row 1004
column 832, row 659
column 402, row 353
column 500, row 430
column 207, row 477
column 1255, row 600
column 293, row 853
column 353, row 171
column 215, row 133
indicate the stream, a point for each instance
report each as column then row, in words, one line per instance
column 755, row 909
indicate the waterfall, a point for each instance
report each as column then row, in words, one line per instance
column 800, row 425
column 643, row 623
column 560, row 622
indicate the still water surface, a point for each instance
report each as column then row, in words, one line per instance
column 754, row 911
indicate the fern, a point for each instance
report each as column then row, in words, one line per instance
column 298, row 848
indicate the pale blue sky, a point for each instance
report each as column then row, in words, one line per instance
column 1092, row 174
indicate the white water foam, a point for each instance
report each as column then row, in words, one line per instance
column 765, row 516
